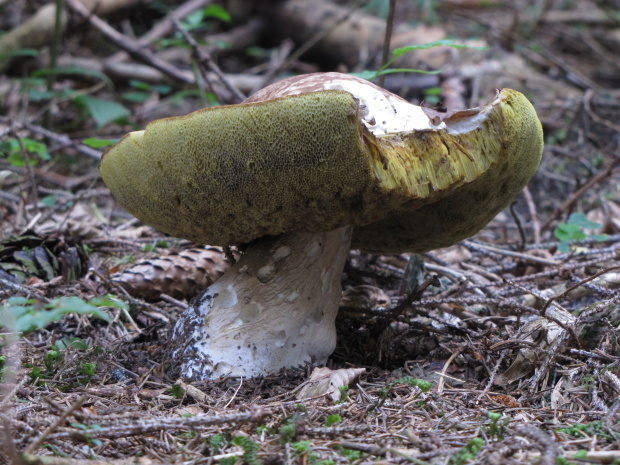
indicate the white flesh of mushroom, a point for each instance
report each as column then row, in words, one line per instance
column 383, row 112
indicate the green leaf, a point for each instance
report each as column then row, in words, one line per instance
column 216, row 11
column 145, row 86
column 96, row 143
column 332, row 419
column 108, row 301
column 102, row 111
column 192, row 20
column 397, row 52
column 568, row 232
column 37, row 95
column 74, row 70
column 581, row 455
column 88, row 369
column 424, row 385
column 49, row 201
column 564, row 247
column 25, row 316
column 30, row 81
column 301, row 447
column 136, row 97
column 13, row 151
column 23, row 52
column 51, row 357
column 73, row 342
column 580, row 219
column 370, row 75
column 177, row 391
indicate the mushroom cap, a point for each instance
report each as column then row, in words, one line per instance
column 312, row 162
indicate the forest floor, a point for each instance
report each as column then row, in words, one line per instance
column 510, row 356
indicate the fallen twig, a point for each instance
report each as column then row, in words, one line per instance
column 256, row 414
column 130, row 45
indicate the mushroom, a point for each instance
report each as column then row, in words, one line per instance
column 302, row 171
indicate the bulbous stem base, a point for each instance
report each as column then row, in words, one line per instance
column 276, row 308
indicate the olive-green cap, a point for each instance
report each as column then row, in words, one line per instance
column 230, row 174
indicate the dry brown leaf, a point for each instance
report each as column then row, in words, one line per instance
column 325, row 381
column 365, row 297
column 539, row 338
column 454, row 255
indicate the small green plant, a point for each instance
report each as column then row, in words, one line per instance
column 177, row 391
column 57, row 353
column 582, row 455
column 24, row 151
column 35, row 374
column 160, row 244
column 301, row 447
column 304, row 449
column 71, row 343
column 128, row 259
column 269, row 430
column 217, row 442
column 197, row 21
column 398, row 52
column 24, row 315
column 187, row 435
column 588, row 381
column 250, row 449
column 350, row 454
column 467, row 453
column 88, row 370
column 580, row 430
column 422, row 384
column 51, row 358
column 432, row 96
column 144, row 90
column 344, row 394
column 287, row 432
column 102, row 111
column 229, row 461
column 496, row 429
column 573, row 230
column 332, row 419
column 87, row 432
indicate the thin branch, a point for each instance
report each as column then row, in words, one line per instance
column 256, row 414
column 206, row 62
column 389, row 26
column 129, row 45
column 163, row 27
column 60, row 420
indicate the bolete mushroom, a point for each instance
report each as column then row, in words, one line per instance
column 302, row 171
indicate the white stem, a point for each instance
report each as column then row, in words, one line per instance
column 276, row 308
